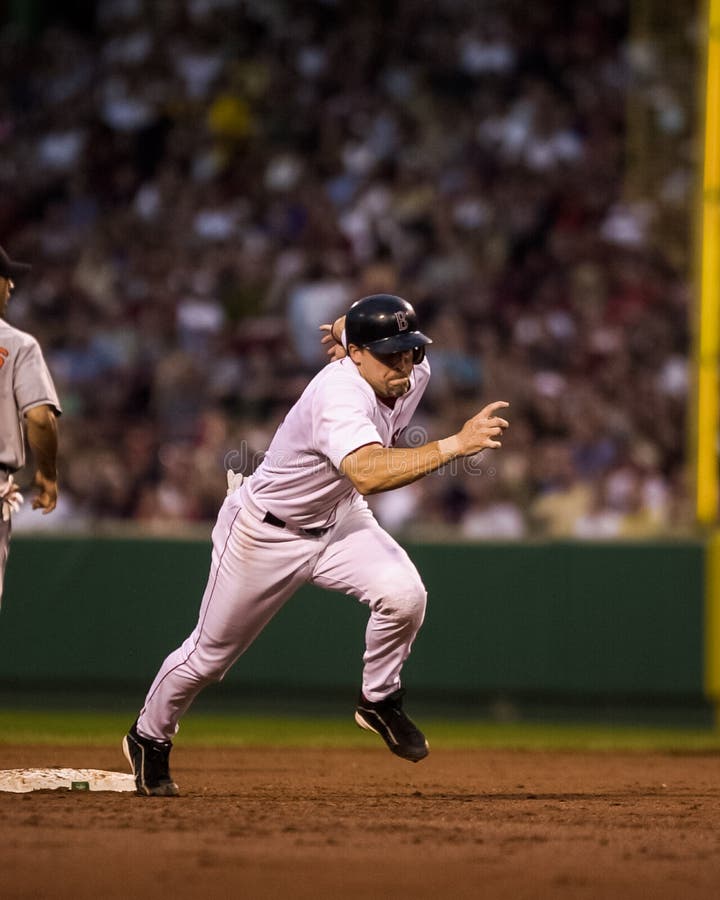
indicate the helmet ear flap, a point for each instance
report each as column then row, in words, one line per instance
column 418, row 355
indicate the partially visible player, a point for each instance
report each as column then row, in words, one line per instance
column 302, row 518
column 28, row 408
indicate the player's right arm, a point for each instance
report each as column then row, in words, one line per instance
column 333, row 338
column 374, row 468
column 41, row 427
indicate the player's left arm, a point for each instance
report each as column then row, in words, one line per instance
column 373, row 468
column 42, row 433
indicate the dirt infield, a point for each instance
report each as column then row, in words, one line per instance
column 309, row 824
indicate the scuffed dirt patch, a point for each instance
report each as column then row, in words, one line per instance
column 309, row 824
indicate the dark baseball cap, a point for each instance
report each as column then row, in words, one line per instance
column 384, row 323
column 9, row 268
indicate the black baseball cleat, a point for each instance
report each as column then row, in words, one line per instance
column 386, row 718
column 150, row 764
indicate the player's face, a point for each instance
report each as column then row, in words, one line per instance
column 388, row 374
column 6, row 287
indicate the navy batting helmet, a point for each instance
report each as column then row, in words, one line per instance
column 384, row 323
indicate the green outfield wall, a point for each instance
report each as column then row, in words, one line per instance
column 557, row 619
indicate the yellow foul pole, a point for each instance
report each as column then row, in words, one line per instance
column 706, row 423
column 708, row 334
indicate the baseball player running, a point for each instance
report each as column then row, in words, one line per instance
column 28, row 406
column 301, row 517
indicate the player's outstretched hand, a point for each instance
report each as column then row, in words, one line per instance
column 46, row 498
column 483, row 430
column 335, row 349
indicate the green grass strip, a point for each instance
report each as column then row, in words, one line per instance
column 92, row 728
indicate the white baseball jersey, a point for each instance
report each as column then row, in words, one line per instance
column 25, row 382
column 298, row 480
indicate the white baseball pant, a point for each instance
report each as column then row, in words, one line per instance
column 255, row 569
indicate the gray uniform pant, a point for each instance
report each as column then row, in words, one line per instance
column 5, row 529
column 255, row 569
column 4, row 548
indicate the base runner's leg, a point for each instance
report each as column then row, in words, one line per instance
column 365, row 561
column 255, row 568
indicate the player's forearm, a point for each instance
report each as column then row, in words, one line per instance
column 373, row 468
column 337, row 328
column 43, row 441
column 379, row 469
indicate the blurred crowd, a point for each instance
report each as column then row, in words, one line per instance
column 201, row 183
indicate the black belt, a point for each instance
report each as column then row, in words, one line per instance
column 313, row 532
